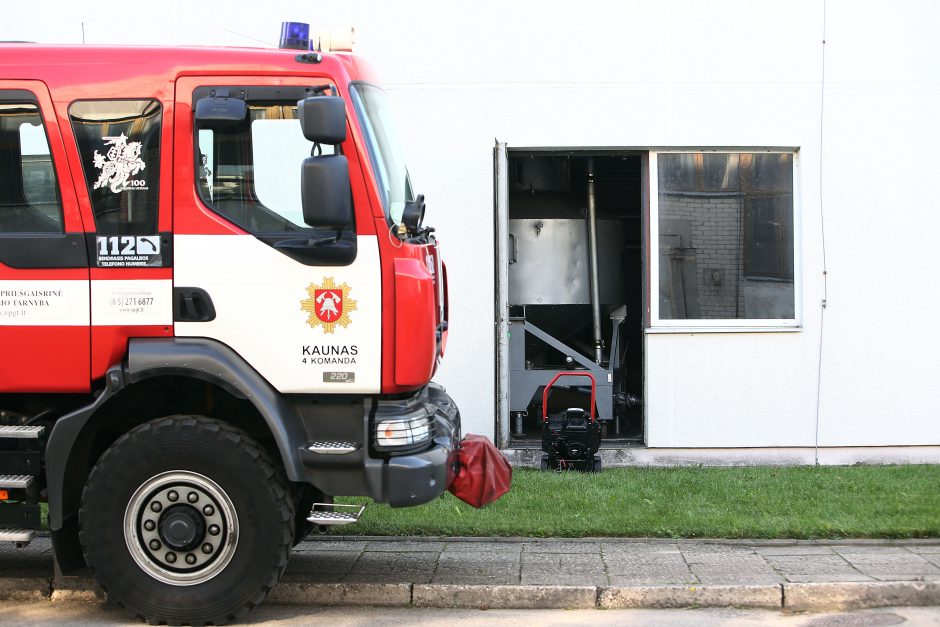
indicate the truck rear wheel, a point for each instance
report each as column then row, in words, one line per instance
column 186, row 519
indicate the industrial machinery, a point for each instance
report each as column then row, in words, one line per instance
column 575, row 287
column 570, row 437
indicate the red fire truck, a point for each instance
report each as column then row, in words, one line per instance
column 219, row 309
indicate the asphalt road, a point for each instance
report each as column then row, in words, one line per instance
column 48, row 613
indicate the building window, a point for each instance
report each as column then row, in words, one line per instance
column 725, row 239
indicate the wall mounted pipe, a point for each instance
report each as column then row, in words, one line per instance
column 592, row 252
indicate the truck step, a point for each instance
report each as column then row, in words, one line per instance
column 21, row 432
column 328, row 515
column 15, row 481
column 332, row 447
column 20, row 536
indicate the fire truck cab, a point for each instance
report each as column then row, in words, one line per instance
column 219, row 309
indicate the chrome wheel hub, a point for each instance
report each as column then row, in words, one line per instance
column 181, row 528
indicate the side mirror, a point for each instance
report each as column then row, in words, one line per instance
column 325, row 192
column 323, row 119
column 219, row 112
column 413, row 214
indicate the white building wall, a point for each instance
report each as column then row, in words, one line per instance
column 673, row 73
column 724, row 74
column 882, row 216
column 644, row 75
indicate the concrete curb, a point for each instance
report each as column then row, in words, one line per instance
column 77, row 590
column 816, row 597
column 795, row 597
column 25, row 588
column 348, row 594
column 505, row 597
column 637, row 597
column 813, row 597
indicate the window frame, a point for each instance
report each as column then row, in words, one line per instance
column 728, row 325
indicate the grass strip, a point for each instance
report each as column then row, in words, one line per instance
column 689, row 502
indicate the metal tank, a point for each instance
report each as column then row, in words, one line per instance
column 549, row 262
column 557, row 262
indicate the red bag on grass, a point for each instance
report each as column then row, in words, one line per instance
column 484, row 474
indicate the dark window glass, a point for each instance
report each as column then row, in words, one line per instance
column 726, row 236
column 29, row 194
column 249, row 172
column 119, row 144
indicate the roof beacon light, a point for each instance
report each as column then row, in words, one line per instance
column 295, row 36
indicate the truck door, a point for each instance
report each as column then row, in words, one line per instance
column 125, row 190
column 44, row 275
column 248, row 271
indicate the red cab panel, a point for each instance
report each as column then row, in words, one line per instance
column 41, row 359
column 415, row 317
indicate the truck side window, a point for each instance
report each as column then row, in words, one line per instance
column 29, row 193
column 249, row 172
column 119, row 144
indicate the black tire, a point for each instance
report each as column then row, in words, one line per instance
column 235, row 484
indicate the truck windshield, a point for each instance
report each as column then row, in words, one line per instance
column 385, row 149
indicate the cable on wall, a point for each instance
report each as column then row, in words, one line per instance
column 822, row 228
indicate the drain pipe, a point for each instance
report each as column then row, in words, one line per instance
column 592, row 251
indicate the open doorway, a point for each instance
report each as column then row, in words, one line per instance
column 573, row 262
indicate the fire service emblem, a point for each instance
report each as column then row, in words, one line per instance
column 328, row 305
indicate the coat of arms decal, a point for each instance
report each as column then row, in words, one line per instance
column 121, row 162
column 328, row 305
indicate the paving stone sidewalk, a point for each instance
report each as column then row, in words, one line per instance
column 609, row 562
column 596, row 572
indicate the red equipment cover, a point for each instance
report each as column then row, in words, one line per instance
column 484, row 474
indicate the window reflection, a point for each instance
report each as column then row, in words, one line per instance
column 29, row 197
column 726, row 236
column 119, row 143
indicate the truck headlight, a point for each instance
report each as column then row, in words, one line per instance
column 402, row 431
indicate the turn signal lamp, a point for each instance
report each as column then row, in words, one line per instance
column 402, row 432
column 4, row 495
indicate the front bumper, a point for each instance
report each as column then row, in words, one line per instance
column 400, row 479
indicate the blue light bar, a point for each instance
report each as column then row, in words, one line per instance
column 295, row 36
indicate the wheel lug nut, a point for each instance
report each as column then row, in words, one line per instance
column 192, row 497
column 149, row 525
column 207, row 548
column 155, row 545
column 173, row 495
column 171, row 557
column 156, row 506
column 214, row 530
column 190, row 559
column 208, row 510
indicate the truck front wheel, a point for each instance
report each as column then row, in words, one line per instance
column 186, row 519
